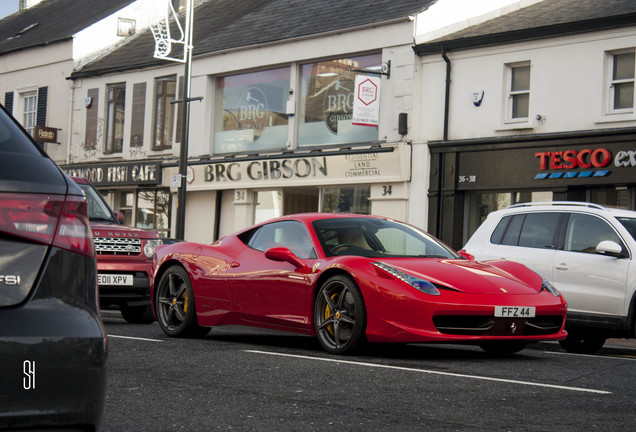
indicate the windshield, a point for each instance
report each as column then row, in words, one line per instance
column 629, row 224
column 97, row 208
column 374, row 237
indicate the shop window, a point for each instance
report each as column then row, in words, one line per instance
column 618, row 197
column 250, row 111
column 326, row 102
column 346, row 200
column 519, row 92
column 153, row 211
column 115, row 110
column 165, row 91
column 621, row 86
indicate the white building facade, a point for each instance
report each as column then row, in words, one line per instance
column 538, row 107
column 272, row 133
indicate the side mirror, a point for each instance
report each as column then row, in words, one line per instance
column 120, row 217
column 285, row 255
column 462, row 253
column 610, row 248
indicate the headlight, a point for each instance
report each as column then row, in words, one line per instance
column 151, row 246
column 417, row 283
column 547, row 286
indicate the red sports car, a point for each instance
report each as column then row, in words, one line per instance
column 349, row 279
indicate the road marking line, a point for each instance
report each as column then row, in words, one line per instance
column 134, row 338
column 612, row 356
column 432, row 372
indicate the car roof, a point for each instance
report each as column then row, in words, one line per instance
column 567, row 206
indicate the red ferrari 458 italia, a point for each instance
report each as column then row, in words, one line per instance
column 349, row 279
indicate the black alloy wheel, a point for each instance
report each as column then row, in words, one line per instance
column 174, row 302
column 340, row 317
column 137, row 314
column 582, row 342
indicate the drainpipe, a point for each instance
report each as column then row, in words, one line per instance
column 447, row 92
column 440, row 167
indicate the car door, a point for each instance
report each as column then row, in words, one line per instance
column 590, row 282
column 527, row 238
column 273, row 292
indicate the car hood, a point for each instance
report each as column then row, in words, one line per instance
column 472, row 276
column 101, row 229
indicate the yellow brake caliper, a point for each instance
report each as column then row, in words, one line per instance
column 328, row 314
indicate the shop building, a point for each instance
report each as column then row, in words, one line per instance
column 272, row 130
column 534, row 105
column 42, row 44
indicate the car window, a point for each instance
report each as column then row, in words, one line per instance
column 584, row 232
column 289, row 234
column 535, row 230
column 629, row 224
column 370, row 237
column 97, row 208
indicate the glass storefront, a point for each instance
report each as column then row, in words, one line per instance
column 250, row 112
column 143, row 208
column 326, row 106
column 346, row 200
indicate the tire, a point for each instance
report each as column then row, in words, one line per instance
column 581, row 342
column 137, row 314
column 503, row 348
column 340, row 318
column 174, row 302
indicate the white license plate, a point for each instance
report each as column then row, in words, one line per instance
column 115, row 279
column 515, row 311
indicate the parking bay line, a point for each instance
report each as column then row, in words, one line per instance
column 432, row 372
column 134, row 338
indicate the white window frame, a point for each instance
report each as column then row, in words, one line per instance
column 611, row 83
column 19, row 107
column 510, row 93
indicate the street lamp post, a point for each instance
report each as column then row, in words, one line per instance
column 163, row 47
column 185, row 123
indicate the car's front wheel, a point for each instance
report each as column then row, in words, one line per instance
column 137, row 314
column 582, row 342
column 174, row 302
column 340, row 317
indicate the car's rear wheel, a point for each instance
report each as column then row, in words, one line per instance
column 174, row 301
column 582, row 342
column 340, row 317
column 137, row 314
column 502, row 348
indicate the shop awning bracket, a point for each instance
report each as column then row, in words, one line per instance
column 385, row 70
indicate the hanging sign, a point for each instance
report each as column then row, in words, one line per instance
column 366, row 103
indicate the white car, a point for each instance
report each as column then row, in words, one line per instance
column 585, row 250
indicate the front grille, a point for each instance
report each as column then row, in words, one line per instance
column 117, row 246
column 492, row 326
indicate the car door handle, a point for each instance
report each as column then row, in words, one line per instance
column 234, row 264
column 562, row 266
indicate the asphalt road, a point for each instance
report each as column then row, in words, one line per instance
column 241, row 379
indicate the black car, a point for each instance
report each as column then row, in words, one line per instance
column 53, row 347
